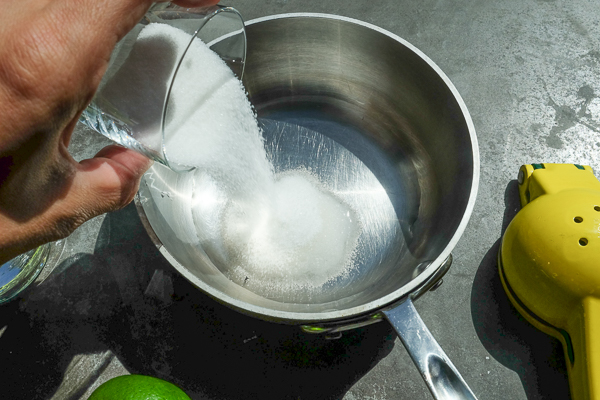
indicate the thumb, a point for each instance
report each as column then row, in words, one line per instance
column 108, row 181
column 104, row 183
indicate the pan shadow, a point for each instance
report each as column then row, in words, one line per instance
column 127, row 299
column 217, row 353
column 536, row 357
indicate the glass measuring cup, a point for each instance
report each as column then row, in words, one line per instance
column 130, row 104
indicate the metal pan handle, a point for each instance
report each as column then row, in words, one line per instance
column 440, row 375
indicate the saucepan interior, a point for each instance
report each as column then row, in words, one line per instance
column 379, row 124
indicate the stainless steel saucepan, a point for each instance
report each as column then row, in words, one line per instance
column 380, row 126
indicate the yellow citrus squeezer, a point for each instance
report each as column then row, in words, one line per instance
column 549, row 264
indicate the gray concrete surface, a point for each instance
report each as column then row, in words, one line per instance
column 529, row 72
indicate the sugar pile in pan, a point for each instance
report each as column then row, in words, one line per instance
column 283, row 232
column 305, row 239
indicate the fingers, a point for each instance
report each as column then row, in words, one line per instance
column 104, row 183
column 110, row 180
column 107, row 182
column 195, row 3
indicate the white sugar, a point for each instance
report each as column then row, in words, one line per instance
column 280, row 232
column 210, row 122
column 304, row 239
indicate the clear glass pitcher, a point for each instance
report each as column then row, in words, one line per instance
column 130, row 104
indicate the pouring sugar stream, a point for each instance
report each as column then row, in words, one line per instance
column 285, row 230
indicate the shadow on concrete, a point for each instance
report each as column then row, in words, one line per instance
column 127, row 298
column 536, row 357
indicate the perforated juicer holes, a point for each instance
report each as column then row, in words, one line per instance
column 584, row 241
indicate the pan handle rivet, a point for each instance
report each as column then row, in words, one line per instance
column 437, row 285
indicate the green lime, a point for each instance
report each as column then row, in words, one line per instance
column 138, row 387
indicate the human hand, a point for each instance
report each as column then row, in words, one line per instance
column 53, row 54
